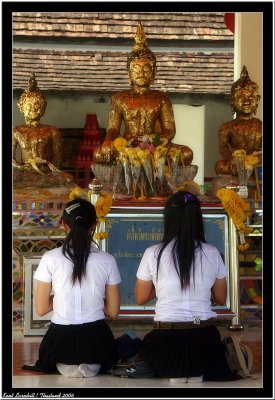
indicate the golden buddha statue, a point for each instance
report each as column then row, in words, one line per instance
column 143, row 111
column 40, row 145
column 244, row 132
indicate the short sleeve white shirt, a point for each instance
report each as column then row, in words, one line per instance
column 77, row 304
column 174, row 304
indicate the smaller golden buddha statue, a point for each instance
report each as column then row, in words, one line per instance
column 144, row 112
column 40, row 145
column 243, row 132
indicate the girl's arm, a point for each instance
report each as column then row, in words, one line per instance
column 144, row 291
column 43, row 298
column 112, row 301
column 219, row 291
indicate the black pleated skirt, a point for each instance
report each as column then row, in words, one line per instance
column 176, row 353
column 89, row 343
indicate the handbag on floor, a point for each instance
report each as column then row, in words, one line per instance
column 129, row 364
column 239, row 357
column 128, row 345
column 134, row 368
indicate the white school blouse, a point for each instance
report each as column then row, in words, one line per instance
column 174, row 304
column 78, row 304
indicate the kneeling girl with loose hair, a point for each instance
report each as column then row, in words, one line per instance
column 184, row 273
column 80, row 283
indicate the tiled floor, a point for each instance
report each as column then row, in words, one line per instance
column 26, row 350
column 107, row 381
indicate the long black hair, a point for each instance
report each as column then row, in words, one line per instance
column 183, row 223
column 80, row 216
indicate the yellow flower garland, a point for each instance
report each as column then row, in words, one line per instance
column 75, row 193
column 102, row 207
column 249, row 160
column 190, row 186
column 160, row 151
column 120, row 144
column 100, row 235
column 238, row 210
column 173, row 153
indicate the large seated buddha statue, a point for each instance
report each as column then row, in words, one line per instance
column 243, row 132
column 143, row 112
column 40, row 145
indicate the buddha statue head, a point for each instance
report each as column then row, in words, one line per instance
column 32, row 103
column 141, row 62
column 244, row 98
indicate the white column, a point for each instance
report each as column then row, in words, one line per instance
column 190, row 124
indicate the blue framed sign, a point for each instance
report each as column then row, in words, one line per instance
column 131, row 233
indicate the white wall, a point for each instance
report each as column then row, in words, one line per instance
column 190, row 128
column 68, row 112
column 215, row 115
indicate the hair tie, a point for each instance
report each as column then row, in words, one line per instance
column 72, row 207
column 79, row 216
column 188, row 197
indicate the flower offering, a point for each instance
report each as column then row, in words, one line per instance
column 191, row 186
column 120, row 144
column 238, row 210
column 146, row 162
column 103, row 206
column 159, row 161
column 75, row 193
column 123, row 159
column 244, row 165
column 135, row 166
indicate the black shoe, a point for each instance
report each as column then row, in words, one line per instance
column 32, row 367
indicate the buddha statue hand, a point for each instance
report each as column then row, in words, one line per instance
column 39, row 165
column 31, row 164
column 105, row 154
column 21, row 167
column 186, row 154
column 225, row 167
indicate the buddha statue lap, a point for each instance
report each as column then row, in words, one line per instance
column 243, row 132
column 40, row 145
column 144, row 112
